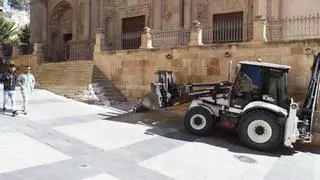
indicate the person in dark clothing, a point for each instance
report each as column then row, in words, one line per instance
column 9, row 80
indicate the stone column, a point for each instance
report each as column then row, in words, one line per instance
column 36, row 48
column 196, row 34
column 45, row 22
column 99, row 41
column 74, row 23
column 37, row 51
column 86, row 23
column 259, row 29
column 193, row 10
column 101, row 13
column 15, row 51
column 260, row 8
column 146, row 39
column 187, row 14
column 37, row 18
column 157, row 8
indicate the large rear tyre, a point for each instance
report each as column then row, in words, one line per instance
column 260, row 130
column 198, row 121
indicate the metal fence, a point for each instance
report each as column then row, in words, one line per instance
column 74, row 50
column 295, row 28
column 81, row 49
column 130, row 40
column 170, row 37
column 26, row 49
column 227, row 32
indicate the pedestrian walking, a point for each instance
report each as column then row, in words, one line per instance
column 9, row 80
column 26, row 82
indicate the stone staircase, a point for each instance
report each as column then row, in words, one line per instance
column 104, row 88
column 69, row 78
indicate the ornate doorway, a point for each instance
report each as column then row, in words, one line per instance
column 60, row 32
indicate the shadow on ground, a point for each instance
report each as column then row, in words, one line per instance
column 158, row 121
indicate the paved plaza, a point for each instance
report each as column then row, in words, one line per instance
column 61, row 139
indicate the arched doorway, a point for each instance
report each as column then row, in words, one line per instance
column 60, row 31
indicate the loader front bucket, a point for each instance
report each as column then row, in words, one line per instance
column 150, row 101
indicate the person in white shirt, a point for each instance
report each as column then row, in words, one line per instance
column 26, row 82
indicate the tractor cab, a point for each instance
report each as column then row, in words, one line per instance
column 259, row 81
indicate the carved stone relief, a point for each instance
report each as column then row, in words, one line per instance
column 81, row 19
column 121, row 3
column 110, row 13
column 233, row 4
column 167, row 10
column 144, row 2
column 109, row 3
column 216, row 5
column 136, row 11
column 132, row 2
column 222, row 6
column 202, row 11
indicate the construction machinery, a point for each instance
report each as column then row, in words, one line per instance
column 256, row 104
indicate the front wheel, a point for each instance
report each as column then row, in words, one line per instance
column 198, row 121
column 260, row 130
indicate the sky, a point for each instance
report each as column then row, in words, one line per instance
column 21, row 18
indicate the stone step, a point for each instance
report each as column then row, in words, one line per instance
column 98, row 76
column 112, row 94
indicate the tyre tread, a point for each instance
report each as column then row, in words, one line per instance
column 246, row 141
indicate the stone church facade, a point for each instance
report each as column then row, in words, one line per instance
column 66, row 29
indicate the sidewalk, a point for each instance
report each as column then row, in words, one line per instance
column 61, row 139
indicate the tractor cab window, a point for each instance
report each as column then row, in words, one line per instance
column 247, row 86
column 275, row 86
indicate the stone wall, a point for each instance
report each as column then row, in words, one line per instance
column 64, row 74
column 21, row 61
column 132, row 71
column 291, row 8
column 69, row 74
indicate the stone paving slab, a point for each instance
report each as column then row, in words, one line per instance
column 18, row 151
column 102, row 177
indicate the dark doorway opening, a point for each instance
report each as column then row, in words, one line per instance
column 67, row 38
column 131, row 32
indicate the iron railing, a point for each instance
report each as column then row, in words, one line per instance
column 130, row 40
column 170, row 38
column 73, row 50
column 227, row 32
column 80, row 50
column 294, row 28
column 26, row 49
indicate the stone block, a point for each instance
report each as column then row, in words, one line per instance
column 316, row 139
column 174, row 63
column 136, row 93
column 297, row 50
column 211, row 70
column 214, row 62
column 196, row 78
column 244, row 52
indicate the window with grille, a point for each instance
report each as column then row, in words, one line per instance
column 228, row 27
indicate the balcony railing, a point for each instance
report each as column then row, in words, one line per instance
column 227, row 32
column 171, row 37
column 294, row 28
